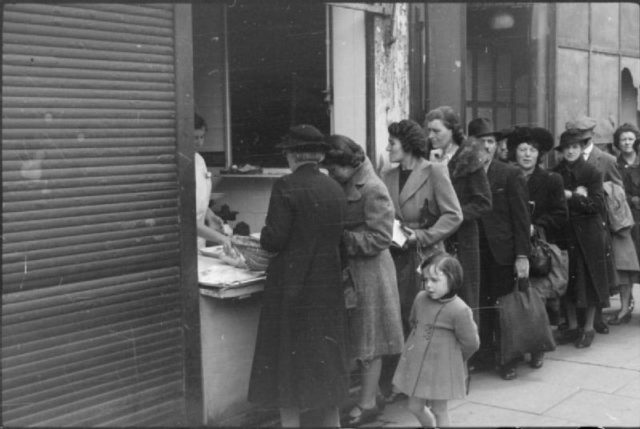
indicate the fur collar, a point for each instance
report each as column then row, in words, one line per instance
column 467, row 159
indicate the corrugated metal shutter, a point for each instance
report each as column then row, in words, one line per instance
column 91, row 311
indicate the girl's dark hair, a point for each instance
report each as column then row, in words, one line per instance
column 626, row 128
column 411, row 135
column 199, row 122
column 450, row 119
column 343, row 151
column 449, row 266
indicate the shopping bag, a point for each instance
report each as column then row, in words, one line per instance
column 555, row 283
column 539, row 258
column 524, row 324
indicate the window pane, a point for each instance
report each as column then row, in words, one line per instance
column 503, row 78
column 485, row 75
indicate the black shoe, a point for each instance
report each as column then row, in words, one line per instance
column 566, row 336
column 367, row 415
column 600, row 327
column 537, row 360
column 393, row 397
column 585, row 339
column 617, row 320
column 508, row 372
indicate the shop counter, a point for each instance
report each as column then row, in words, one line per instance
column 229, row 311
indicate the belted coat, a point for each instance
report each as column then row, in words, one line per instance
column 427, row 204
column 374, row 324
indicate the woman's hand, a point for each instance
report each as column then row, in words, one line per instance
column 635, row 200
column 412, row 239
column 522, row 267
column 567, row 194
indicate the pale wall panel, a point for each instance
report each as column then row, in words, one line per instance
column 630, row 27
column 571, row 86
column 571, row 23
column 604, row 84
column 605, row 24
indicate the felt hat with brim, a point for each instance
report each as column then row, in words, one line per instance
column 569, row 137
column 481, row 127
column 583, row 125
column 302, row 138
column 538, row 137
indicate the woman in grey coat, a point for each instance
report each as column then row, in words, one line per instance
column 374, row 321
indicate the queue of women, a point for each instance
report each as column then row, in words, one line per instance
column 340, row 291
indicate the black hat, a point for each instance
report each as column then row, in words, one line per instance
column 535, row 136
column 302, row 138
column 481, row 127
column 571, row 136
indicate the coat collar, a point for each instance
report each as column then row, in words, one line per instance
column 536, row 179
column 357, row 181
column 418, row 176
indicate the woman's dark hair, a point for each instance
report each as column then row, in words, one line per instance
column 449, row 266
column 450, row 119
column 343, row 151
column 411, row 136
column 625, row 128
column 199, row 122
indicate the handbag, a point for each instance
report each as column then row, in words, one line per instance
column 524, row 324
column 618, row 211
column 540, row 257
column 554, row 284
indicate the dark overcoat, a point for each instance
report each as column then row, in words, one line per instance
column 300, row 358
column 507, row 226
column 585, row 236
column 549, row 212
column 375, row 325
column 631, row 180
column 474, row 194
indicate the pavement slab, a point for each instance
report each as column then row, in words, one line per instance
column 631, row 389
column 519, row 395
column 599, row 409
column 479, row 415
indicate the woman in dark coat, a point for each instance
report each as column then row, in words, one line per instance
column 300, row 358
column 374, row 322
column 626, row 139
column 526, row 147
column 585, row 238
column 463, row 158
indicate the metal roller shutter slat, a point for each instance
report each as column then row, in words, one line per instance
column 144, row 10
column 103, row 376
column 93, row 54
column 61, row 16
column 140, row 325
column 53, row 152
column 49, row 61
column 39, row 308
column 89, row 190
column 61, row 242
column 102, row 361
column 79, row 103
column 123, row 142
column 95, row 405
column 29, row 266
column 33, row 185
column 83, row 33
column 46, row 164
column 111, row 94
column 85, row 201
column 113, row 267
column 123, row 16
column 155, row 305
column 69, row 42
column 94, row 171
column 109, row 75
column 86, row 133
column 58, row 113
column 86, row 210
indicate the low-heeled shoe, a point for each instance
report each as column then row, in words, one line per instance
column 585, row 339
column 367, row 415
column 600, row 327
column 537, row 359
column 567, row 336
column 617, row 320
